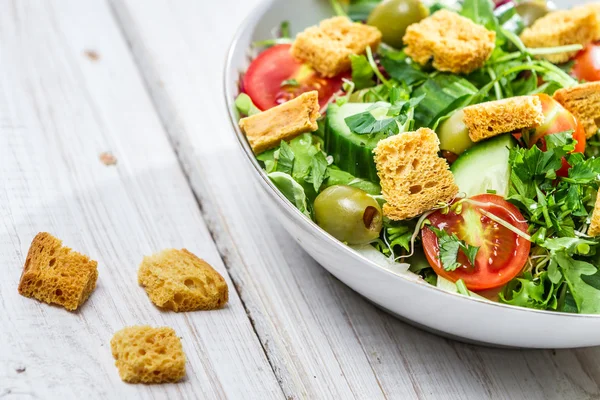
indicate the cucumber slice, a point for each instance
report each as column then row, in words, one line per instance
column 351, row 152
column 484, row 167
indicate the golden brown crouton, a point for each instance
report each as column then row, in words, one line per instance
column 455, row 43
column 327, row 47
column 56, row 274
column 267, row 129
column 178, row 280
column 559, row 28
column 583, row 101
column 493, row 118
column 148, row 355
column 414, row 179
column 595, row 7
column 594, row 229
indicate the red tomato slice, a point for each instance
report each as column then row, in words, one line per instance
column 502, row 253
column 587, row 63
column 557, row 119
column 264, row 78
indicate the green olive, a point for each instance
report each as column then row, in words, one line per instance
column 392, row 17
column 349, row 214
column 532, row 10
column 454, row 135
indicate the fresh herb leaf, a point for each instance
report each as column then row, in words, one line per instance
column 336, row 176
column 362, row 73
column 291, row 189
column 443, row 93
column 529, row 292
column 366, row 124
column 285, row 158
column 449, row 246
column 481, row 12
column 284, row 29
column 586, row 297
column 245, row 106
column 404, row 72
column 318, row 171
column 290, row 83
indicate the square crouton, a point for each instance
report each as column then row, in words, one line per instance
column 493, row 118
column 583, row 101
column 559, row 28
column 327, row 47
column 178, row 280
column 267, row 129
column 57, row 275
column 414, row 179
column 594, row 229
column 455, row 43
column 148, row 355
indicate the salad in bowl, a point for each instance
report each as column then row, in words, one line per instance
column 457, row 140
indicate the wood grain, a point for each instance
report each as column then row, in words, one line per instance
column 322, row 340
column 69, row 90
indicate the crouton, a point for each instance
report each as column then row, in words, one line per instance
column 594, row 229
column 559, row 28
column 414, row 179
column 267, row 129
column 493, row 118
column 583, row 101
column 455, row 43
column 57, row 275
column 327, row 47
column 595, row 7
column 148, row 355
column 178, row 280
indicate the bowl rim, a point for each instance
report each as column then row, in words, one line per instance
column 300, row 218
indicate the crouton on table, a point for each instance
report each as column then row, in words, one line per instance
column 178, row 280
column 583, row 101
column 57, row 275
column 559, row 28
column 493, row 118
column 414, row 179
column 267, row 129
column 148, row 355
column 455, row 43
column 327, row 47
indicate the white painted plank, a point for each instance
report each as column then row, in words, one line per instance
column 322, row 339
column 59, row 109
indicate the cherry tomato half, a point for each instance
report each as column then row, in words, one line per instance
column 264, row 80
column 587, row 63
column 502, row 253
column 557, row 119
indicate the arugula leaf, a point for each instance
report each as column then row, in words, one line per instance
column 285, row 158
column 530, row 293
column 290, row 82
column 365, row 123
column 245, row 106
column 362, row 73
column 402, row 71
column 291, row 189
column 336, row 176
column 449, row 246
column 443, row 93
column 318, row 171
column 481, row 12
column 586, row 297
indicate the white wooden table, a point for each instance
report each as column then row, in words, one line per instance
column 142, row 80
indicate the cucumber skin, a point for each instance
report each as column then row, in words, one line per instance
column 468, row 160
column 351, row 153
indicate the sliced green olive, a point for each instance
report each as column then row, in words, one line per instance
column 532, row 10
column 392, row 17
column 349, row 214
column 454, row 135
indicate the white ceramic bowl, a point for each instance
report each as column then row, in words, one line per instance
column 449, row 314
